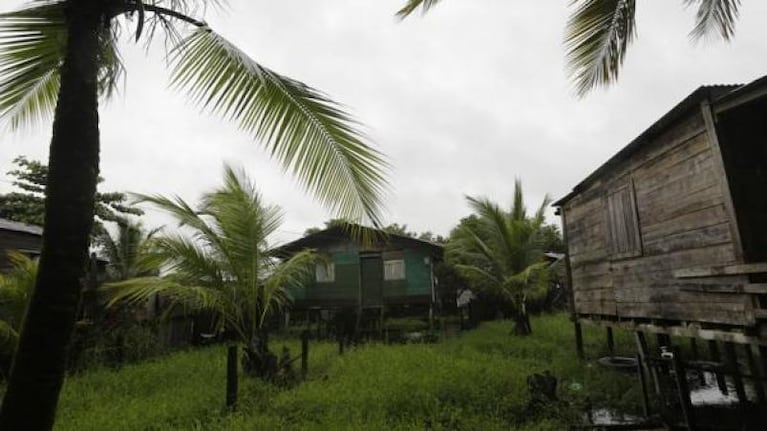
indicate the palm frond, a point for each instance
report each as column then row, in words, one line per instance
column 714, row 16
column 597, row 35
column 32, row 47
column 9, row 339
column 413, row 5
column 32, row 44
column 16, row 287
column 304, row 130
column 111, row 69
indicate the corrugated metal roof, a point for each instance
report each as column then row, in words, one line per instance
column 706, row 92
column 15, row 226
column 339, row 232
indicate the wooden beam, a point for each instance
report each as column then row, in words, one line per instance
column 713, row 139
column 747, row 288
column 741, row 99
column 718, row 271
column 694, row 331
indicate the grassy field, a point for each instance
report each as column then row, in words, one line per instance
column 476, row 381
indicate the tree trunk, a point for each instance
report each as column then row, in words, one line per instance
column 521, row 318
column 39, row 365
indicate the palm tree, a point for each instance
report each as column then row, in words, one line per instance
column 15, row 288
column 501, row 252
column 126, row 251
column 599, row 32
column 224, row 267
column 62, row 56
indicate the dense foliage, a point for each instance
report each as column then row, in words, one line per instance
column 28, row 205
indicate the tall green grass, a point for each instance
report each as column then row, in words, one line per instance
column 473, row 382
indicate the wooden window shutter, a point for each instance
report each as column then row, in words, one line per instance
column 623, row 236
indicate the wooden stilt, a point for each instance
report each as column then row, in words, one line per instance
column 734, row 369
column 610, row 342
column 663, row 340
column 643, row 383
column 641, row 341
column 713, row 350
column 694, row 349
column 680, row 375
column 579, row 340
column 756, row 374
column 644, row 352
column 763, row 359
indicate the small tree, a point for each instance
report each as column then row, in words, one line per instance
column 224, row 267
column 126, row 251
column 501, row 252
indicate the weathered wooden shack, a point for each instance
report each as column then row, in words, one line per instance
column 388, row 270
column 670, row 234
column 22, row 237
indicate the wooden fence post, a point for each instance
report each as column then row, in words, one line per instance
column 304, row 354
column 231, row 377
column 610, row 342
column 578, row 339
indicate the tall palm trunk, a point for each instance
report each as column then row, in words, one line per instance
column 38, row 368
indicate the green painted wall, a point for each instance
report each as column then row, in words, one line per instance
column 344, row 290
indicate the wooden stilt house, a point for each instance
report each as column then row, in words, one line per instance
column 388, row 271
column 670, row 234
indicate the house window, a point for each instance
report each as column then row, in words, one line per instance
column 394, row 269
column 325, row 272
column 623, row 236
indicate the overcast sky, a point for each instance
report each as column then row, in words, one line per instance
column 462, row 101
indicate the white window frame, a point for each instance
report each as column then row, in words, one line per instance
column 325, row 272
column 394, row 269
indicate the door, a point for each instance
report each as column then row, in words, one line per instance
column 371, row 277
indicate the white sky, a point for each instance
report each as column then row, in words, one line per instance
column 462, row 101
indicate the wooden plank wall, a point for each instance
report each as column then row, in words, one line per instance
column 683, row 224
column 12, row 240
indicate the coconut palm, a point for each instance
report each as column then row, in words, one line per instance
column 599, row 32
column 501, row 252
column 224, row 267
column 62, row 56
column 15, row 288
column 126, row 251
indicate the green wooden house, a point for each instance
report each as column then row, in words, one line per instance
column 389, row 270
